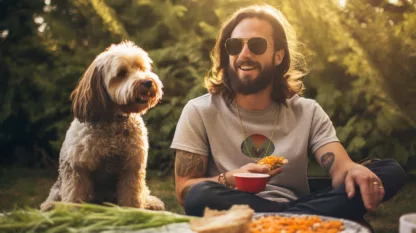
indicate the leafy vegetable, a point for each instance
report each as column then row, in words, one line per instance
column 70, row 217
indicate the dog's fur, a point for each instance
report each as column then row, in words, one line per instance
column 104, row 155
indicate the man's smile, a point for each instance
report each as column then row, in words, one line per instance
column 247, row 67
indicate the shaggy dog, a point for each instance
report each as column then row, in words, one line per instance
column 104, row 155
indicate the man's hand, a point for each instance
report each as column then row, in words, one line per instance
column 252, row 168
column 371, row 188
column 334, row 158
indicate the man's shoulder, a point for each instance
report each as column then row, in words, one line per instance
column 297, row 102
column 205, row 102
column 201, row 99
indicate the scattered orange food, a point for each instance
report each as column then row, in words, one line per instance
column 307, row 224
column 273, row 161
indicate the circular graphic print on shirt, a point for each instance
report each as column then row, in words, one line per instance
column 256, row 146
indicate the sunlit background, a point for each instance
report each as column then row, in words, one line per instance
column 361, row 56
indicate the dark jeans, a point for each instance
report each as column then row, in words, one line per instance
column 331, row 202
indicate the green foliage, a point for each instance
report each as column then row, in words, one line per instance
column 362, row 67
column 365, row 91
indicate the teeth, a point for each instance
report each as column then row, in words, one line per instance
column 246, row 67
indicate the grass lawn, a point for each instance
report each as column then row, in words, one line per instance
column 28, row 188
column 21, row 188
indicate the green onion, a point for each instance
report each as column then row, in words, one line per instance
column 77, row 218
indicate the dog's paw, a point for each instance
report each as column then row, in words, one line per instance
column 154, row 203
column 47, row 206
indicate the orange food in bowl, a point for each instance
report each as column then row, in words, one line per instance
column 272, row 161
column 295, row 224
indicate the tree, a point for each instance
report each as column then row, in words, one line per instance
column 349, row 50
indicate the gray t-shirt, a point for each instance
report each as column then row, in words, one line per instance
column 210, row 127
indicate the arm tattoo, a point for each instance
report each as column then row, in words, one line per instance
column 185, row 191
column 327, row 160
column 187, row 163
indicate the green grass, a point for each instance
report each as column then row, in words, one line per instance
column 21, row 188
column 164, row 188
column 24, row 187
column 386, row 218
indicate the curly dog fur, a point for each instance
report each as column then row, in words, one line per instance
column 104, row 155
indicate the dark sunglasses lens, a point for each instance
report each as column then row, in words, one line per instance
column 233, row 46
column 257, row 45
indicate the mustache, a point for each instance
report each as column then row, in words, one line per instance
column 247, row 62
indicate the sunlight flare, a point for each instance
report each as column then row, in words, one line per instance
column 4, row 34
column 395, row 2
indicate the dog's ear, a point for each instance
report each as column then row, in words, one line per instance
column 90, row 100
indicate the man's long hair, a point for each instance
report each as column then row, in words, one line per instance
column 288, row 80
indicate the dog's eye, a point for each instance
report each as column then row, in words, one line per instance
column 122, row 72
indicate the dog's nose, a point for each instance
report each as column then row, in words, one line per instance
column 148, row 84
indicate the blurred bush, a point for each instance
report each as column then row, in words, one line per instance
column 362, row 60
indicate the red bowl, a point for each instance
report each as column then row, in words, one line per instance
column 251, row 182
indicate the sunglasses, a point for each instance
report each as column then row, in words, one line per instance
column 256, row 45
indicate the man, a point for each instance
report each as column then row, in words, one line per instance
column 253, row 110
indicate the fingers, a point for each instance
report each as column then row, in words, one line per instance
column 255, row 168
column 366, row 189
column 367, row 193
column 375, row 193
column 349, row 186
column 275, row 171
column 371, row 187
column 372, row 192
column 382, row 192
column 378, row 190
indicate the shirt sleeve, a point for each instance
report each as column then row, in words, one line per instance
column 322, row 130
column 190, row 134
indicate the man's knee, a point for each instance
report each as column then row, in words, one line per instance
column 398, row 174
column 396, row 169
column 393, row 169
column 198, row 197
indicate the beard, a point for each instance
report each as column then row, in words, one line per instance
column 248, row 85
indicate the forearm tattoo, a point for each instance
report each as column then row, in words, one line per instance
column 185, row 191
column 187, row 163
column 327, row 160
